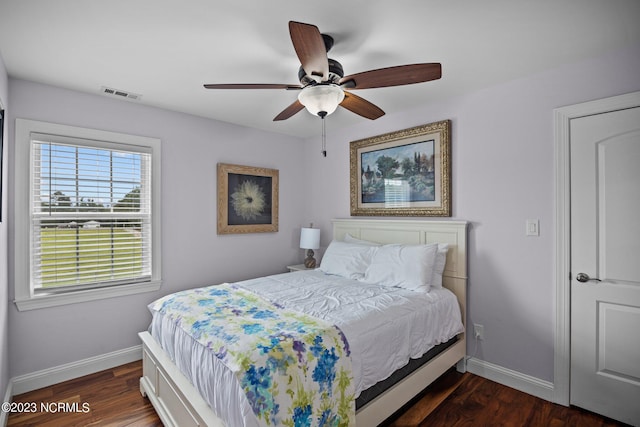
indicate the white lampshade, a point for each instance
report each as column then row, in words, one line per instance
column 321, row 97
column 309, row 238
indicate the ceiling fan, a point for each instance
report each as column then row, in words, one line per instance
column 323, row 85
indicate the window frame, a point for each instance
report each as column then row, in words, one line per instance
column 25, row 297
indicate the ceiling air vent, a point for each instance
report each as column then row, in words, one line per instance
column 119, row 93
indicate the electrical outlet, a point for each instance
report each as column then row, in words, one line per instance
column 478, row 331
column 533, row 227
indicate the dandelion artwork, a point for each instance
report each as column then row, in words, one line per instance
column 247, row 199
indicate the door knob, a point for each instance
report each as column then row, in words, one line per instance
column 584, row 277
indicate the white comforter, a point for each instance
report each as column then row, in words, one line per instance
column 384, row 326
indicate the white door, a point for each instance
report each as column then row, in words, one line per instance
column 605, row 264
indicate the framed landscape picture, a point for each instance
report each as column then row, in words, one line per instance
column 402, row 173
column 247, row 199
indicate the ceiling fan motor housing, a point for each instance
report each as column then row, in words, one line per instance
column 335, row 74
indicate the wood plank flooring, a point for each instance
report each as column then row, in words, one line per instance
column 455, row 400
column 113, row 396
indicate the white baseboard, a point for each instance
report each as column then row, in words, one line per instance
column 4, row 416
column 525, row 383
column 57, row 374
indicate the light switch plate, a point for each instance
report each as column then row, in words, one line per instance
column 533, row 227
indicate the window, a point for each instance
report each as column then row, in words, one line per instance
column 88, row 227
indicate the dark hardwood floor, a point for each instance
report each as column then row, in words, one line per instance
column 112, row 398
column 457, row 400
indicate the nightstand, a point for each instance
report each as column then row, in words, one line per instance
column 298, row 267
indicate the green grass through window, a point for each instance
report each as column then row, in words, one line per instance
column 83, row 256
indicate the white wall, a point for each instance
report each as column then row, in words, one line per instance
column 4, row 299
column 503, row 166
column 502, row 174
column 193, row 254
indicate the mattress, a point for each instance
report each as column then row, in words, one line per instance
column 384, row 326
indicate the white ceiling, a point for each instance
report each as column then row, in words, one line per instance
column 166, row 50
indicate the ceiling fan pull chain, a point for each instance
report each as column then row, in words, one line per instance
column 322, row 115
column 324, row 137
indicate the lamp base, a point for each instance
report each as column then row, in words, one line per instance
column 310, row 261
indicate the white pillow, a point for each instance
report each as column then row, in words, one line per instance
column 438, row 266
column 404, row 266
column 350, row 239
column 348, row 260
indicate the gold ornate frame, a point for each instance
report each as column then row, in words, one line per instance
column 436, row 135
column 247, row 199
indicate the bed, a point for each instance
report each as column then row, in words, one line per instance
column 178, row 402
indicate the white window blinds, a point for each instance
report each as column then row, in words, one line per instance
column 90, row 214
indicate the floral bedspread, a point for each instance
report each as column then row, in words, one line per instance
column 295, row 369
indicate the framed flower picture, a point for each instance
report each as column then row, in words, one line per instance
column 402, row 173
column 247, row 199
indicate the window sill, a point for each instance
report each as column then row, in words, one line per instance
column 53, row 300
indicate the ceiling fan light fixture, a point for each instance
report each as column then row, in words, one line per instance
column 321, row 98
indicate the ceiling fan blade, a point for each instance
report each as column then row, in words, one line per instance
column 310, row 48
column 251, row 86
column 393, row 76
column 361, row 106
column 289, row 111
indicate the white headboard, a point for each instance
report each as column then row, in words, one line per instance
column 418, row 232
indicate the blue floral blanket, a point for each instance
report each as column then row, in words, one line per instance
column 295, row 369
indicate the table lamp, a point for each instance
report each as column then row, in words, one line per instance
column 310, row 240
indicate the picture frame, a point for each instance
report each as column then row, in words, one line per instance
column 402, row 173
column 247, row 199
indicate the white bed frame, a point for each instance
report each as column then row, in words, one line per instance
column 179, row 404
